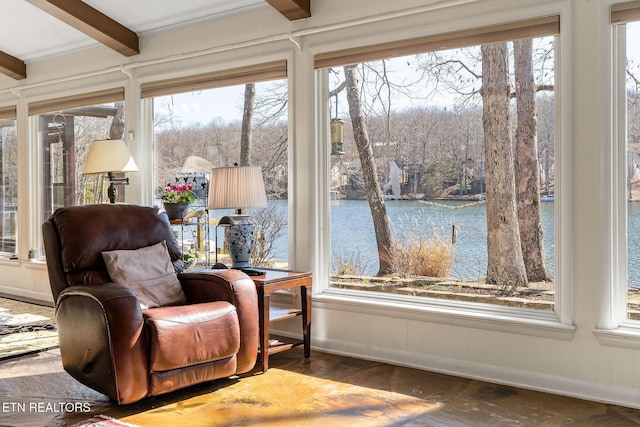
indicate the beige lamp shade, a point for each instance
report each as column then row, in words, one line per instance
column 110, row 155
column 237, row 187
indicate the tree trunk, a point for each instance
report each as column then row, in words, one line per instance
column 247, row 122
column 527, row 167
column 505, row 264
column 374, row 193
column 116, row 131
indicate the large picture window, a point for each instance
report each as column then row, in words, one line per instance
column 627, row 17
column 66, row 129
column 234, row 117
column 8, row 181
column 442, row 180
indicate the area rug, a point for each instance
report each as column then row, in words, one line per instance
column 24, row 334
column 101, row 421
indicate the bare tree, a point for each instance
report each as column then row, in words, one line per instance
column 270, row 132
column 633, row 129
column 527, row 178
column 369, row 171
column 505, row 263
column 270, row 223
column 116, row 131
column 264, row 134
column 546, row 137
column 247, row 122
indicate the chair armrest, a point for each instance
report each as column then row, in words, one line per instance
column 211, row 285
column 237, row 288
column 102, row 342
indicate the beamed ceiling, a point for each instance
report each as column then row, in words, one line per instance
column 33, row 30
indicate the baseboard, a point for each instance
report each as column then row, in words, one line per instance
column 26, row 295
column 616, row 395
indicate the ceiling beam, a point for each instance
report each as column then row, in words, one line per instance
column 292, row 9
column 93, row 23
column 12, row 66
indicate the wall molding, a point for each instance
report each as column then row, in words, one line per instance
column 26, row 294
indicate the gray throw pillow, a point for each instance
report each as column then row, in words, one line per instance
column 148, row 272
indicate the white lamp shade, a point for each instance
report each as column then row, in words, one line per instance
column 110, row 155
column 237, row 187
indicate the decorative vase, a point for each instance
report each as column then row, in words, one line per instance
column 176, row 210
column 240, row 239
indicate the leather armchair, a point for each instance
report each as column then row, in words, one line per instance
column 111, row 344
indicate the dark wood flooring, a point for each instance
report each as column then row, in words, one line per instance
column 326, row 390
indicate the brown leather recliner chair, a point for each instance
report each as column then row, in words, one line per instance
column 109, row 340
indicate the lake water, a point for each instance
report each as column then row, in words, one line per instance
column 633, row 242
column 352, row 233
column 352, row 230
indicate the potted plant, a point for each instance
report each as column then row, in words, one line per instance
column 176, row 199
column 189, row 259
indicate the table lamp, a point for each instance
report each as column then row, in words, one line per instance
column 237, row 187
column 110, row 156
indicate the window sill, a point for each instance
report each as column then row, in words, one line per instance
column 9, row 260
column 15, row 262
column 36, row 262
column 538, row 323
column 625, row 336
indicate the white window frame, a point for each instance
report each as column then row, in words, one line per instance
column 614, row 328
column 555, row 325
column 5, row 254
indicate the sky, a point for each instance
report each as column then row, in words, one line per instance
column 204, row 106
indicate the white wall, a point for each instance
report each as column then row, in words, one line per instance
column 558, row 353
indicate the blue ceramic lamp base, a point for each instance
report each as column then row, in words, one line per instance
column 240, row 240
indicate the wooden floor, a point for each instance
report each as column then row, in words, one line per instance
column 326, row 390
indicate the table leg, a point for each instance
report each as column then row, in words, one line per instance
column 263, row 314
column 306, row 319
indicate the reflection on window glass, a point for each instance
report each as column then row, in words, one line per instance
column 425, row 167
column 8, row 185
column 198, row 131
column 65, row 138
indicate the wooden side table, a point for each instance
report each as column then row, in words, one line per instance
column 275, row 280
